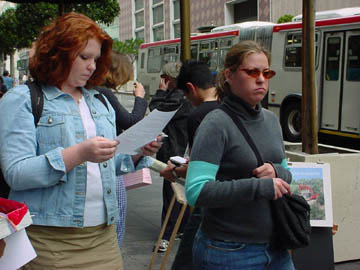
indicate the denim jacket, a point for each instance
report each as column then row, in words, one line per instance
column 31, row 158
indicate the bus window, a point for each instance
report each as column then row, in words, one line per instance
column 170, row 54
column 225, row 43
column 293, row 50
column 292, row 57
column 222, row 55
column 142, row 60
column 154, row 60
column 333, row 59
column 208, row 54
column 210, row 58
column 194, row 51
column 353, row 63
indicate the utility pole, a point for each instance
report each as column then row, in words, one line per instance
column 185, row 30
column 309, row 116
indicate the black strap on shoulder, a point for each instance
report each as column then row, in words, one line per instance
column 243, row 130
column 37, row 100
column 102, row 99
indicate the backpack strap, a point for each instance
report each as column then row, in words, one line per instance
column 102, row 99
column 243, row 130
column 37, row 100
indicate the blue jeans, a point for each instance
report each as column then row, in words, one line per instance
column 211, row 254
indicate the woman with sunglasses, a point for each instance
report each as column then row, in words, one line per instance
column 223, row 176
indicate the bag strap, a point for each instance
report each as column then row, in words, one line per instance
column 102, row 99
column 37, row 100
column 243, row 130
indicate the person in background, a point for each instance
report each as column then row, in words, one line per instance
column 3, row 88
column 223, row 179
column 8, row 81
column 170, row 98
column 196, row 80
column 121, row 71
column 65, row 167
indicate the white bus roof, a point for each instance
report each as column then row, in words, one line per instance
column 238, row 26
column 334, row 13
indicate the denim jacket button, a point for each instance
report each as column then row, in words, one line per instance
column 112, row 219
column 50, row 120
column 105, row 165
column 109, row 191
column 93, row 111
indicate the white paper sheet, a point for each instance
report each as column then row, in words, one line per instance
column 143, row 132
column 18, row 251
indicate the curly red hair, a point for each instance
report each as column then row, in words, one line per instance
column 59, row 44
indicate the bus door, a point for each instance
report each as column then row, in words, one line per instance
column 350, row 112
column 332, row 78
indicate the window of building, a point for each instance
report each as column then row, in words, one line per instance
column 139, row 15
column 157, row 20
column 245, row 11
column 176, row 19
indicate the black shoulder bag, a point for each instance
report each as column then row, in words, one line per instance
column 291, row 213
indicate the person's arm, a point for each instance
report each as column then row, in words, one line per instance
column 123, row 118
column 202, row 189
column 96, row 149
column 169, row 100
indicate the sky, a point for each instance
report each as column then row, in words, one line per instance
column 306, row 173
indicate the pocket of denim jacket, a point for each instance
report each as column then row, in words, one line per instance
column 50, row 129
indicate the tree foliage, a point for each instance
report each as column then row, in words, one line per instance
column 285, row 18
column 8, row 33
column 27, row 19
column 129, row 47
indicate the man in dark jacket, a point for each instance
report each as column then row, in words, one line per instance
column 169, row 98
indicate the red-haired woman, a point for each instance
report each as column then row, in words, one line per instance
column 64, row 169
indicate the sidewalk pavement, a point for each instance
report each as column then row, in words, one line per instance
column 143, row 227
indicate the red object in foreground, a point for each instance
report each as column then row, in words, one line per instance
column 14, row 210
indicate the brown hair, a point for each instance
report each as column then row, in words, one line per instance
column 233, row 59
column 60, row 42
column 121, row 70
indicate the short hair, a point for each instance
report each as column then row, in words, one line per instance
column 171, row 69
column 195, row 72
column 120, row 72
column 6, row 73
column 58, row 45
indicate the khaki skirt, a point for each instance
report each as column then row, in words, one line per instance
column 90, row 248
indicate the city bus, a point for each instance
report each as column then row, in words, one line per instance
column 337, row 67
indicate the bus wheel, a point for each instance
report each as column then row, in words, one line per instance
column 291, row 122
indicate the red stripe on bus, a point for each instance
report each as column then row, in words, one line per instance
column 199, row 37
column 327, row 22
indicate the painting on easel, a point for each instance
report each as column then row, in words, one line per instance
column 312, row 181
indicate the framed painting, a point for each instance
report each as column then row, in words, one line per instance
column 312, row 181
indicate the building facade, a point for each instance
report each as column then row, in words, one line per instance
column 154, row 20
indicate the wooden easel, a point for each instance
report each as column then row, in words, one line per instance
column 179, row 196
